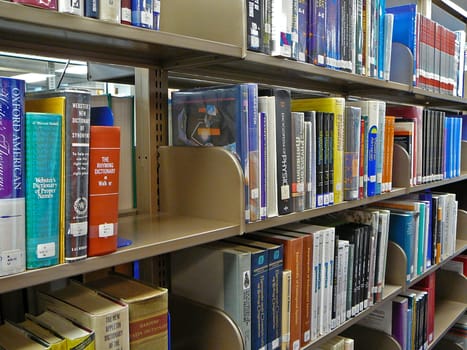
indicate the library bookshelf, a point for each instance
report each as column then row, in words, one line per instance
column 177, row 206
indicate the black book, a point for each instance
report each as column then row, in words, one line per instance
column 330, row 158
column 254, row 24
column 335, row 276
column 326, row 153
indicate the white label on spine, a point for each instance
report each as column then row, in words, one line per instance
column 126, row 14
column 296, row 345
column 106, row 230
column 11, row 260
column 46, row 250
column 275, row 343
column 254, row 193
column 285, row 192
column 157, row 6
column 79, row 229
column 146, row 18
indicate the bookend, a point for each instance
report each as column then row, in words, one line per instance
column 400, row 167
column 198, row 326
column 367, row 338
column 203, row 182
column 396, row 265
column 445, row 344
column 401, row 64
column 464, row 156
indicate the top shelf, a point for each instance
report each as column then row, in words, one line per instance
column 453, row 9
column 30, row 30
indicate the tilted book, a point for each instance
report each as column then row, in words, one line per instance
column 43, row 188
column 12, row 177
column 74, row 106
column 104, row 166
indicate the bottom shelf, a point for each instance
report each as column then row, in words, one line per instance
column 447, row 312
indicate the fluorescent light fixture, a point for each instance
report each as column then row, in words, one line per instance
column 32, row 77
column 78, row 70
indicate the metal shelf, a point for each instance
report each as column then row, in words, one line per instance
column 452, row 8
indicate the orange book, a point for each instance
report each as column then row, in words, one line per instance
column 388, row 153
column 104, row 167
column 293, row 256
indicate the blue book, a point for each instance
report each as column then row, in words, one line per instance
column 448, row 148
column 405, row 30
column 142, row 13
column 372, row 146
column 458, row 146
column 12, row 178
column 43, row 187
column 317, row 32
column 381, row 32
column 333, row 34
column 157, row 15
column 302, row 30
column 215, row 116
column 274, row 287
column 402, row 231
column 253, row 154
column 91, row 8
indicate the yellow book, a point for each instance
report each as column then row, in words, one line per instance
column 13, row 338
column 43, row 335
column 75, row 108
column 76, row 337
column 335, row 105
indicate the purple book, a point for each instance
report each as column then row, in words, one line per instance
column 262, row 159
column 399, row 320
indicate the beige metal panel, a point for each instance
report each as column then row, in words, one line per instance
column 446, row 314
column 197, row 326
column 222, row 21
column 445, row 280
column 205, row 182
column 367, row 338
column 396, row 265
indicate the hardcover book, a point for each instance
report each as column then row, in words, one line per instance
column 43, row 187
column 298, row 161
column 12, row 177
column 110, row 10
column 125, row 12
column 14, row 338
column 352, row 132
column 142, row 13
column 74, row 106
column 317, row 33
column 91, row 8
column 104, row 166
column 254, row 24
column 147, row 308
column 75, row 7
column 41, row 335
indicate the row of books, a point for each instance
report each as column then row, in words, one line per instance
column 139, row 13
column 59, row 196
column 357, row 37
column 300, row 154
column 337, row 343
column 409, row 318
column 424, row 225
column 111, row 312
column 287, row 286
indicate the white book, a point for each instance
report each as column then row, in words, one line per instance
column 281, row 28
column 109, row 10
column 13, row 235
column 75, row 7
column 316, row 282
column 267, row 104
column 345, row 271
column 286, row 306
column 329, row 252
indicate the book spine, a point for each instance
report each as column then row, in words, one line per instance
column 283, row 144
column 308, row 165
column 156, row 15
column 259, row 296
column 372, row 146
column 351, row 153
column 110, row 10
column 326, row 154
column 315, row 294
column 359, row 35
column 43, row 169
column 298, row 160
column 332, row 33
column 253, row 153
column 319, row 159
column 74, row 7
column 266, row 28
column 104, row 166
column 142, row 13
column 286, row 308
column 263, row 145
column 281, row 24
column 381, row 105
column 350, row 279
column 77, row 125
column 49, row 5
column 317, row 32
column 274, row 304
column 254, row 25
column 361, row 161
column 125, row 12
column 12, row 177
column 302, row 30
column 91, row 8
column 331, row 145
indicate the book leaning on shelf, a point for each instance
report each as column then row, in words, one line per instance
column 74, row 107
column 12, row 177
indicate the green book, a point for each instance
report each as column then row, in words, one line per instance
column 43, row 166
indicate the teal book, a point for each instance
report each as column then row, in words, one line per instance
column 43, row 166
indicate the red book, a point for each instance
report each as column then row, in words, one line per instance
column 428, row 284
column 45, row 4
column 126, row 12
column 104, row 166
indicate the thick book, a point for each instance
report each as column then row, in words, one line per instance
column 302, row 30
column 74, row 106
column 110, row 10
column 286, row 307
column 352, row 132
column 293, row 261
column 14, row 338
column 399, row 320
column 298, row 161
column 142, row 13
column 310, row 161
column 317, row 32
column 43, row 187
column 254, row 25
column 253, row 153
column 48, row 4
column 41, row 335
column 81, row 305
column 104, row 166
column 319, row 159
column 335, row 105
column 428, row 284
column 274, row 287
column 125, row 13
column 388, row 157
column 216, row 116
column 147, row 307
column 91, row 8
column 283, row 144
column 282, row 15
column 12, row 177
column 333, row 34
column 223, row 280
